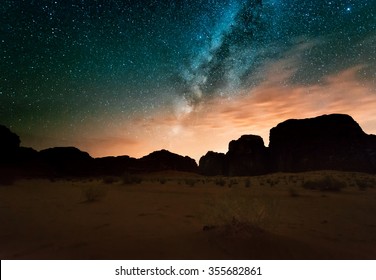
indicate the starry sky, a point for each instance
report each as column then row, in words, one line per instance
column 127, row 77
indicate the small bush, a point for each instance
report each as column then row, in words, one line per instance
column 92, row 194
column 269, row 182
column 235, row 211
column 109, row 180
column 220, row 182
column 247, row 183
column 129, row 179
column 327, row 183
column 190, row 182
column 233, row 182
column 162, row 181
column 365, row 184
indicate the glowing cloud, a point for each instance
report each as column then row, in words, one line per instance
column 210, row 127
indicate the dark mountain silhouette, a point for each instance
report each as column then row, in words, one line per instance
column 72, row 162
column 65, row 161
column 325, row 142
column 333, row 142
column 15, row 161
column 156, row 161
column 165, row 160
column 9, row 145
column 247, row 156
column 113, row 166
column 213, row 164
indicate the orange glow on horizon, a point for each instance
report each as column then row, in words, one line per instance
column 213, row 124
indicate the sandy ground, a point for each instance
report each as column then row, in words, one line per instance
column 41, row 219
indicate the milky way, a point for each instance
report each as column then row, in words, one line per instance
column 129, row 77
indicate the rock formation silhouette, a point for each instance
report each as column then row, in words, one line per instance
column 9, row 145
column 213, row 164
column 247, row 156
column 65, row 161
column 325, row 142
column 333, row 142
column 165, row 160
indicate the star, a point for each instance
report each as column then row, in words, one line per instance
column 98, row 67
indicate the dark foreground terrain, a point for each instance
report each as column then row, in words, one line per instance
column 172, row 215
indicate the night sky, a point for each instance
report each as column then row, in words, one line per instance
column 118, row 77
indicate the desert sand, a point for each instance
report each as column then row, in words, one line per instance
column 174, row 215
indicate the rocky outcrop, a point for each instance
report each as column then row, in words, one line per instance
column 213, row 164
column 326, row 142
column 114, row 166
column 9, row 144
column 70, row 161
column 247, row 156
column 333, row 142
column 165, row 160
column 65, row 161
column 59, row 155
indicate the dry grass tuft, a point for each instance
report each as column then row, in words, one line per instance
column 94, row 193
column 190, row 182
column 220, row 182
column 240, row 212
column 130, row 179
column 327, row 183
column 110, row 180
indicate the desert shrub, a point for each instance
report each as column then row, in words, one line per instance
column 190, row 182
column 94, row 193
column 237, row 211
column 109, row 180
column 130, row 179
column 220, row 182
column 364, row 184
column 327, row 183
column 247, row 183
column 269, row 182
column 233, row 182
column 162, row 181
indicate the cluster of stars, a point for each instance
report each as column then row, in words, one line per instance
column 68, row 62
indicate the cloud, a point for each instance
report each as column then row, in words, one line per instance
column 107, row 146
column 256, row 110
column 211, row 125
column 327, row 38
